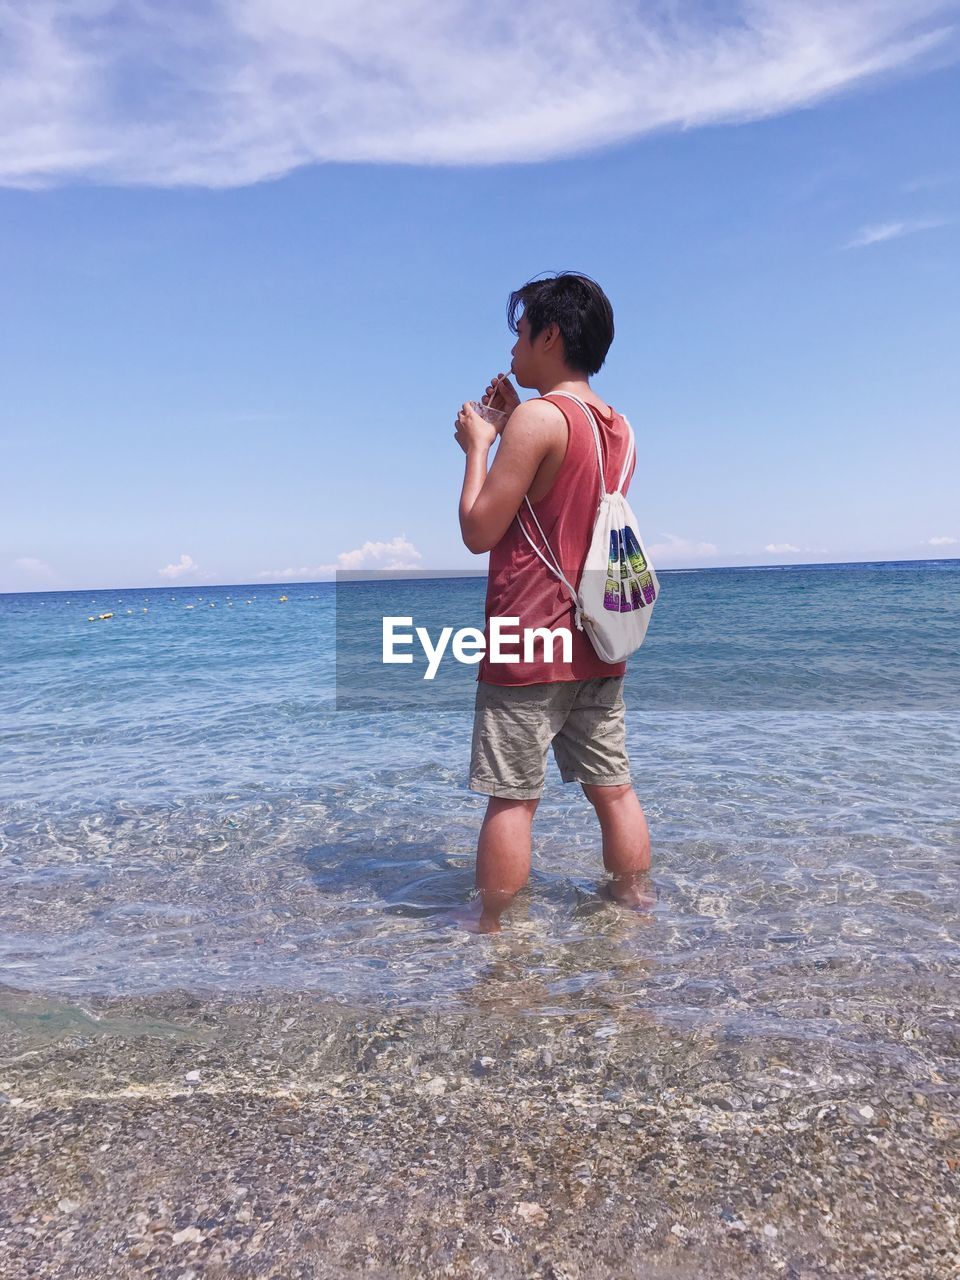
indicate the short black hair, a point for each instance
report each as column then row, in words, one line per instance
column 580, row 309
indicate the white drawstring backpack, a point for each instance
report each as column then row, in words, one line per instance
column 618, row 585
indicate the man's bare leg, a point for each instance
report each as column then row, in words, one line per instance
column 626, row 842
column 503, row 856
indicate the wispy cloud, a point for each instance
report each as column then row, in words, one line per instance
column 398, row 553
column 882, row 231
column 168, row 93
column 34, row 570
column 673, row 547
column 186, row 566
column 788, row 549
column 942, row 541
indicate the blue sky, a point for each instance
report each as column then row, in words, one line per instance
column 248, row 283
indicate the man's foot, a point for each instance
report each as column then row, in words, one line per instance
column 476, row 916
column 636, row 891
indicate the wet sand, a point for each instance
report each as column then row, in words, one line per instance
column 283, row 1137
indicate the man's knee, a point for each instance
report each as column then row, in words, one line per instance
column 501, row 804
column 601, row 796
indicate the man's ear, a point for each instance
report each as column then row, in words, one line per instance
column 551, row 336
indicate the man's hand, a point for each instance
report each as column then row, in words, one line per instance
column 473, row 434
column 489, row 502
column 501, row 394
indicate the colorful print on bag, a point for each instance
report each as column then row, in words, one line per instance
column 634, row 554
column 629, row 585
column 611, row 594
column 616, row 554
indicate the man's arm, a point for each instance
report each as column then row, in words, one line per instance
column 489, row 501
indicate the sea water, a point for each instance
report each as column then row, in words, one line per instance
column 183, row 806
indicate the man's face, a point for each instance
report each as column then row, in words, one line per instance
column 523, row 364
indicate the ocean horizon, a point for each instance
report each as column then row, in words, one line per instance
column 932, row 562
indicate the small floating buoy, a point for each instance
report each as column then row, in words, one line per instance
column 282, row 598
column 144, row 608
column 188, row 606
column 91, row 618
column 212, row 604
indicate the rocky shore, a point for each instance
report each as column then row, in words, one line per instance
column 283, row 1137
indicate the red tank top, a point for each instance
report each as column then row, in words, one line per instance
column 519, row 584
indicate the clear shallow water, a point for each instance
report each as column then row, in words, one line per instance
column 181, row 806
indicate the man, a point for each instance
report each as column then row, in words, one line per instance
column 548, row 454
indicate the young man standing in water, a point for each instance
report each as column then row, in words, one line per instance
column 547, row 453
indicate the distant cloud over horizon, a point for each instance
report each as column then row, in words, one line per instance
column 250, row 90
column 942, row 541
column 184, row 566
column 672, row 545
column 34, row 570
column 399, row 553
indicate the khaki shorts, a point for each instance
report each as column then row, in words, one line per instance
column 514, row 726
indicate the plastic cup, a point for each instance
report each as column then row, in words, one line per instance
column 496, row 417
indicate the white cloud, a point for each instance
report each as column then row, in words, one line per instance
column 398, row 553
column 673, row 547
column 883, row 231
column 372, row 553
column 185, row 565
column 35, row 570
column 168, row 93
column 780, row 548
column 943, row 541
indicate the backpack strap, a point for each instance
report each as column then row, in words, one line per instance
column 555, row 567
column 631, row 442
column 596, row 434
column 631, row 452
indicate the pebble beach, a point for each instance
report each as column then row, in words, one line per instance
column 299, row 1140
